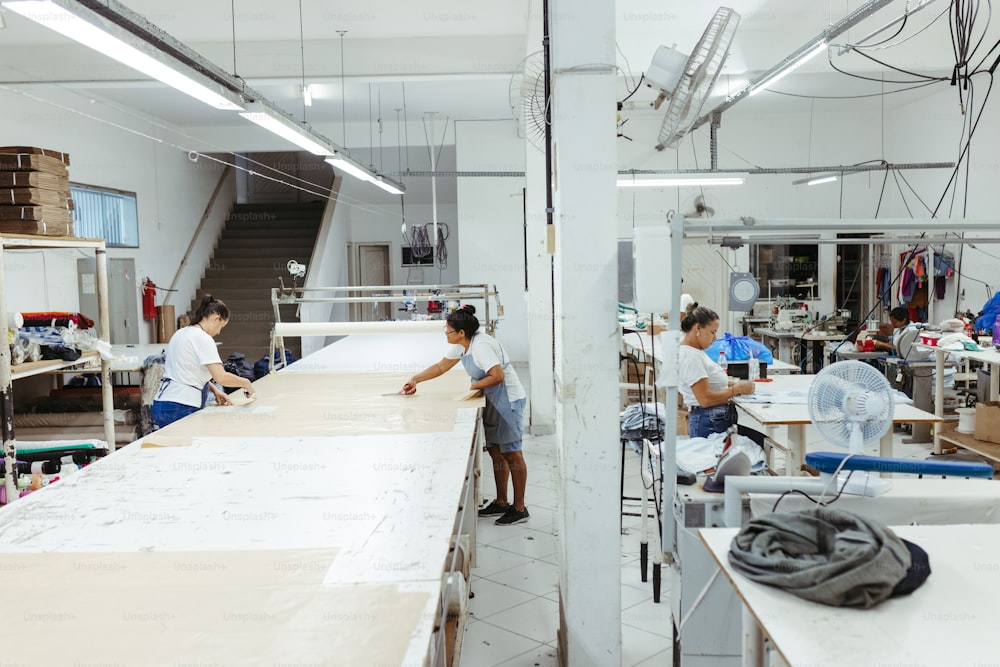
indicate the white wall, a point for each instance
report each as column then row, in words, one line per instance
column 932, row 132
column 491, row 213
column 171, row 193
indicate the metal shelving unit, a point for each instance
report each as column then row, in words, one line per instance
column 14, row 242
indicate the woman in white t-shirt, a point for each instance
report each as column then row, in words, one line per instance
column 491, row 372
column 705, row 387
column 192, row 362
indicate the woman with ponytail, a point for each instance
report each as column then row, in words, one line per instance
column 192, row 363
column 705, row 387
column 491, row 372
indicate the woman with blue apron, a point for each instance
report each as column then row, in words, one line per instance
column 192, row 363
column 489, row 367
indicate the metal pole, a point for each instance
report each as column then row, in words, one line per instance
column 107, row 397
column 7, row 399
column 434, row 202
column 668, row 462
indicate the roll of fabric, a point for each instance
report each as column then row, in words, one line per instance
column 15, row 320
column 291, row 329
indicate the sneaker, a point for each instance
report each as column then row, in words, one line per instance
column 493, row 509
column 512, row 516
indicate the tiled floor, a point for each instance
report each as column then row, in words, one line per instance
column 514, row 615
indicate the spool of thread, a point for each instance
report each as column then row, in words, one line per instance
column 966, row 420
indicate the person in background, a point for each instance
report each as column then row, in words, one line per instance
column 491, row 372
column 900, row 319
column 192, row 362
column 703, row 384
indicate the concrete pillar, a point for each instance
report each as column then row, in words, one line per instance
column 587, row 336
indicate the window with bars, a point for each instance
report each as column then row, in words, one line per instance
column 103, row 213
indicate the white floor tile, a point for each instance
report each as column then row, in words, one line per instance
column 530, row 543
column 485, row 644
column 661, row 659
column 633, row 596
column 649, row 616
column 492, row 597
column 542, row 656
column 639, row 645
column 536, row 577
column 536, row 619
column 489, row 561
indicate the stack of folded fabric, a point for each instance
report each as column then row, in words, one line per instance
column 34, row 192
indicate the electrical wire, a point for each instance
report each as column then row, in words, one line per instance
column 637, row 86
column 840, row 492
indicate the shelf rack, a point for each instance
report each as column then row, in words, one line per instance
column 14, row 242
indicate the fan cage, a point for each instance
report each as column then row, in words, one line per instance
column 827, row 402
column 700, row 74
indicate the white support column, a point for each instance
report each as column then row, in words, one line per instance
column 587, row 335
column 104, row 321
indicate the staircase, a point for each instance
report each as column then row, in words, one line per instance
column 251, row 255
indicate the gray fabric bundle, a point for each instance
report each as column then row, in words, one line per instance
column 824, row 555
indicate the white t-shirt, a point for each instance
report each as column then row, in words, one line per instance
column 487, row 353
column 692, row 365
column 188, row 353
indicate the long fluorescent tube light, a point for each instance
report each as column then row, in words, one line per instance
column 787, row 69
column 389, row 185
column 63, row 21
column 276, row 122
column 348, row 167
column 816, row 180
column 680, row 180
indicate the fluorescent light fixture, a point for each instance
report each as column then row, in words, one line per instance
column 276, row 122
column 63, row 21
column 350, row 167
column 389, row 185
column 680, row 180
column 789, row 68
column 816, row 180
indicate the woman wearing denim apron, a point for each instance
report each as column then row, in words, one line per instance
column 491, row 372
column 192, row 361
column 703, row 384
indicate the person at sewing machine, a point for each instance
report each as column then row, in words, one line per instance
column 702, row 382
column 192, row 362
column 900, row 319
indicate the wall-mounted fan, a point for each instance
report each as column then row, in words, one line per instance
column 698, row 208
column 689, row 85
column 528, row 99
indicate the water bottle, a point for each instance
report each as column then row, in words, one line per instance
column 753, row 371
column 723, row 363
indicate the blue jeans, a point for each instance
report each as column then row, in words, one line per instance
column 167, row 412
column 703, row 422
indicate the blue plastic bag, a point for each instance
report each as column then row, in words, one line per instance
column 990, row 311
column 739, row 348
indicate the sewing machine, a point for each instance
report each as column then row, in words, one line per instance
column 789, row 319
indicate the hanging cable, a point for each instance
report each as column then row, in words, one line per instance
column 302, row 56
column 343, row 92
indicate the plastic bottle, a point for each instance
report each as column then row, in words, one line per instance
column 723, row 362
column 753, row 370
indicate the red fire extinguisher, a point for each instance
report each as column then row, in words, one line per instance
column 148, row 299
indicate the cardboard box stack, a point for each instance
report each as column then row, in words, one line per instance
column 34, row 192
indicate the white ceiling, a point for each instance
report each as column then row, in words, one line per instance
column 452, row 57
